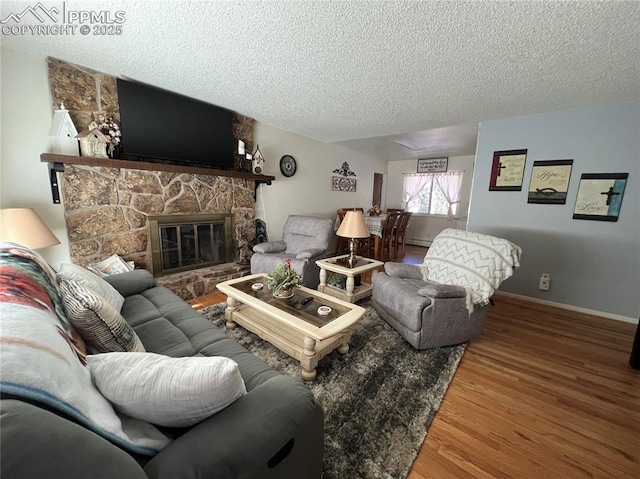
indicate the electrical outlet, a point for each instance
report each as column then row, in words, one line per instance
column 545, row 282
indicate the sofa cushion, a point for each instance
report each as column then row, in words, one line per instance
column 172, row 392
column 401, row 299
column 93, row 282
column 99, row 324
column 167, row 325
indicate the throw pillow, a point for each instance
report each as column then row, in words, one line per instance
column 93, row 282
column 99, row 324
column 171, row 392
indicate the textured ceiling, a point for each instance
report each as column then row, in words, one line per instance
column 355, row 70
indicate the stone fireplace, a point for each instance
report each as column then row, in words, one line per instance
column 108, row 211
column 186, row 242
column 108, row 204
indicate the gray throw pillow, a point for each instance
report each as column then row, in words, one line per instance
column 99, row 324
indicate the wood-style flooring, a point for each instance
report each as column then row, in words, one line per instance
column 542, row 393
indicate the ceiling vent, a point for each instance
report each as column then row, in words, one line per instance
column 410, row 145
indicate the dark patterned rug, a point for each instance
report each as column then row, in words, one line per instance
column 379, row 399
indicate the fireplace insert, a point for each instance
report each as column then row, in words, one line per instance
column 184, row 242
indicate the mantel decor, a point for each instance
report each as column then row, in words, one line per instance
column 600, row 196
column 550, row 182
column 507, row 170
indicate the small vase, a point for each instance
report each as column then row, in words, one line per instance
column 287, row 293
column 113, row 151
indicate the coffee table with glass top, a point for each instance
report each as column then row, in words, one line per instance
column 297, row 326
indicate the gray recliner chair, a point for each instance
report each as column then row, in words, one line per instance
column 305, row 239
column 443, row 301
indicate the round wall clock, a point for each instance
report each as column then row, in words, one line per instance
column 288, row 165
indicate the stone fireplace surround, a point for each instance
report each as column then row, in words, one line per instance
column 106, row 206
column 106, row 213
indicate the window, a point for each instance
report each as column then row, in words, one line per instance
column 432, row 193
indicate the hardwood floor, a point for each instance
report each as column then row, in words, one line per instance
column 542, row 393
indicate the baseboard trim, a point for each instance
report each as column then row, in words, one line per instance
column 617, row 317
column 419, row 242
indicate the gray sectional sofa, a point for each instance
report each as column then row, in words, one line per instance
column 274, row 431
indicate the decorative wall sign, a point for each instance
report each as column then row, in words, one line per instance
column 339, row 183
column 550, row 182
column 344, row 170
column 507, row 170
column 432, row 165
column 600, row 196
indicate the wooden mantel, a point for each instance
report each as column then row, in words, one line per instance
column 145, row 165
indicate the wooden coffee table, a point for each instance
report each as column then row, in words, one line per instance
column 293, row 325
column 340, row 264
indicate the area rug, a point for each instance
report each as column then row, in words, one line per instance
column 379, row 398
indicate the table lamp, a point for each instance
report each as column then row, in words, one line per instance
column 352, row 227
column 24, row 227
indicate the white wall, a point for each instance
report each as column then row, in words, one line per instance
column 308, row 192
column 26, row 113
column 594, row 265
column 423, row 228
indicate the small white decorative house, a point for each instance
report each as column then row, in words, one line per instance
column 63, row 133
column 257, row 162
column 93, row 143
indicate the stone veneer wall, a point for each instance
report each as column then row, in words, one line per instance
column 106, row 213
column 87, row 93
column 106, row 208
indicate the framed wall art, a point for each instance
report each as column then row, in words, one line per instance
column 600, row 196
column 432, row 165
column 550, row 182
column 507, row 170
column 339, row 183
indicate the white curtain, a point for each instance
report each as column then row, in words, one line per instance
column 412, row 187
column 449, row 184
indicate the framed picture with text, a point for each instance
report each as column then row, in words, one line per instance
column 432, row 165
column 600, row 196
column 507, row 170
column 550, row 182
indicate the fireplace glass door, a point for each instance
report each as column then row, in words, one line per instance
column 187, row 243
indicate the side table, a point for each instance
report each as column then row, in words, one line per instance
column 339, row 264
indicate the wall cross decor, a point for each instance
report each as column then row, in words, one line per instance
column 600, row 196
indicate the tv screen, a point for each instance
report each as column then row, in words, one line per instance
column 157, row 124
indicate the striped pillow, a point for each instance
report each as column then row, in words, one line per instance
column 73, row 272
column 100, row 325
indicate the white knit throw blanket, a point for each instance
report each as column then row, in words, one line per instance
column 476, row 261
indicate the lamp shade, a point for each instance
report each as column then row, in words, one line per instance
column 353, row 226
column 23, row 226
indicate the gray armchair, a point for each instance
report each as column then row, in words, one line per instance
column 444, row 300
column 305, row 239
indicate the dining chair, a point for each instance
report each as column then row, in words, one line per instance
column 387, row 243
column 400, row 232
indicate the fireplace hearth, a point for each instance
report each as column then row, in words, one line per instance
column 185, row 242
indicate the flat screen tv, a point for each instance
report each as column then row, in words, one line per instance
column 160, row 125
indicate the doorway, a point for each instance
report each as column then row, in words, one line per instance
column 376, row 198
